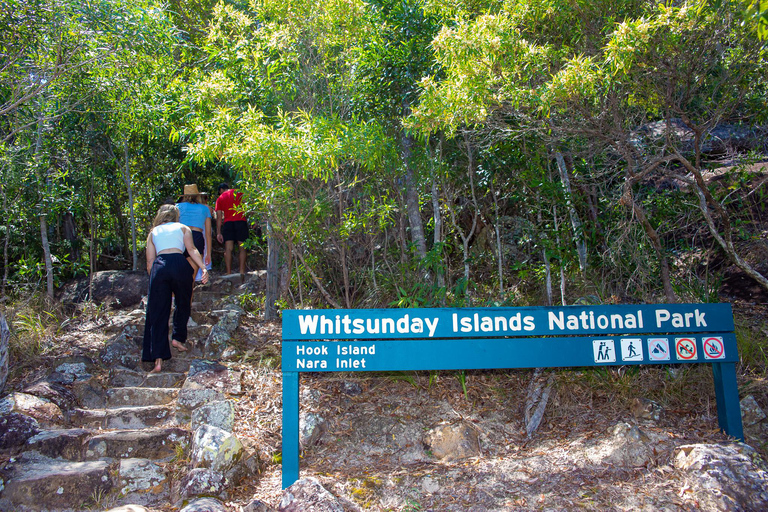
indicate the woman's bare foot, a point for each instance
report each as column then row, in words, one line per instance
column 178, row 346
column 158, row 366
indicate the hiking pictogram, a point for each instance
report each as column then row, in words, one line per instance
column 631, row 349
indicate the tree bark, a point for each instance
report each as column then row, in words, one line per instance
column 578, row 232
column 6, row 241
column 412, row 198
column 629, row 201
column 273, row 276
column 129, row 187
column 46, row 256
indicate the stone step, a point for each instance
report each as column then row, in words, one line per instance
column 60, row 443
column 154, row 444
column 140, row 396
column 207, row 297
column 123, row 417
column 42, row 483
column 125, row 377
column 194, row 332
column 176, row 364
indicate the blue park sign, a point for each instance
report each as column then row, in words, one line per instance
column 491, row 338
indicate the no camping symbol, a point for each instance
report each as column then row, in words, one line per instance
column 685, row 348
column 714, row 348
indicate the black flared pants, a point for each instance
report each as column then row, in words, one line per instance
column 171, row 276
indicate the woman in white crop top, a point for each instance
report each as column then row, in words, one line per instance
column 170, row 275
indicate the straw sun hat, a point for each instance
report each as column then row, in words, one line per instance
column 191, row 190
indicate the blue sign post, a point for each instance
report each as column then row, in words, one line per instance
column 490, row 338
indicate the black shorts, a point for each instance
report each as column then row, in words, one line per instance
column 236, row 230
column 199, row 240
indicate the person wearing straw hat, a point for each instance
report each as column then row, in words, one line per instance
column 197, row 216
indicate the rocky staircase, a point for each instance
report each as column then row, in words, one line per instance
column 100, row 439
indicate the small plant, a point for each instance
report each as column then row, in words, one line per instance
column 462, row 377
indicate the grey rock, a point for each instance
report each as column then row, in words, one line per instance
column 47, row 413
column 16, row 429
column 140, row 396
column 221, row 333
column 119, row 346
column 64, row 443
column 89, row 392
column 141, row 476
column 203, row 482
column 129, row 508
column 311, row 428
column 724, row 477
column 220, row 413
column 257, row 506
column 205, row 505
column 351, row 388
column 751, row 413
column 645, row 409
column 624, row 445
column 453, row 442
column 57, row 393
column 111, row 287
column 49, row 483
column 138, row 417
column 307, row 494
column 147, row 444
column 194, row 394
column 125, row 377
column 215, row 448
column 203, row 365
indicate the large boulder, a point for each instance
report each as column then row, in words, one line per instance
column 115, row 288
column 16, row 429
column 724, row 477
column 43, row 410
column 308, row 494
column 203, row 482
column 220, row 413
column 453, row 442
column 216, row 449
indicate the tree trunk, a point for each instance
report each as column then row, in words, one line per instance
column 629, row 201
column 500, row 253
column 437, row 239
column 46, row 256
column 273, row 276
column 43, row 224
column 92, row 256
column 578, row 232
column 129, row 187
column 5, row 339
column 412, row 198
column 6, row 241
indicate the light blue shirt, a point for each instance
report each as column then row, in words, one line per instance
column 193, row 214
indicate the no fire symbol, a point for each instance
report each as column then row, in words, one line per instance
column 714, row 348
column 685, row 348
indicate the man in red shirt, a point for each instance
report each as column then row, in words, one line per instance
column 231, row 225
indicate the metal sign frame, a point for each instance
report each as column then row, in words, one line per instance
column 353, row 340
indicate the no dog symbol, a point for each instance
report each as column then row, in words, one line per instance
column 685, row 348
column 714, row 348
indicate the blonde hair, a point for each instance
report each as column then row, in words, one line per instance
column 191, row 199
column 166, row 213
